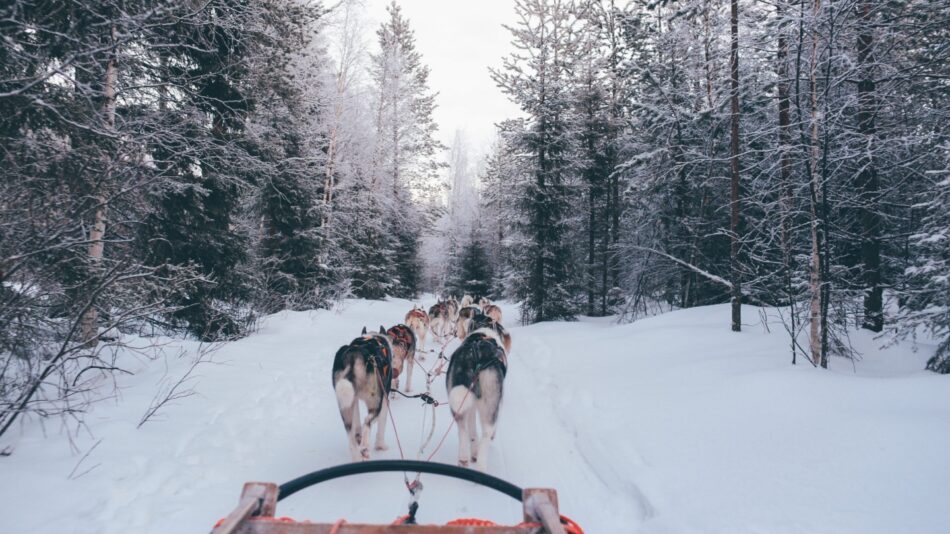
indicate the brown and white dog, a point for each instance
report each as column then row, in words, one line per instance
column 452, row 307
column 362, row 371
column 439, row 320
column 493, row 311
column 483, row 303
column 418, row 320
column 404, row 353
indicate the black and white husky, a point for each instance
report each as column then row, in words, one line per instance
column 362, row 371
column 474, row 383
column 482, row 321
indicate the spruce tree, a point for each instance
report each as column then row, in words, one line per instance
column 540, row 84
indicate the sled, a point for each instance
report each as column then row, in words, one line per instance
column 257, row 508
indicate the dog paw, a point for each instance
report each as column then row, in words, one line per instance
column 463, row 463
column 381, row 447
column 364, row 453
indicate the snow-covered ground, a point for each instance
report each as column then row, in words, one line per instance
column 669, row 424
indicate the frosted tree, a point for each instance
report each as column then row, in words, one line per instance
column 537, row 77
column 406, row 165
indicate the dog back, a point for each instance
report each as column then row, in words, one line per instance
column 479, row 352
column 372, row 353
column 417, row 314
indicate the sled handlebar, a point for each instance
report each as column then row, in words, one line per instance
column 378, row 466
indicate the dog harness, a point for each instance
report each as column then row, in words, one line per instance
column 438, row 310
column 378, row 353
column 500, row 357
column 419, row 313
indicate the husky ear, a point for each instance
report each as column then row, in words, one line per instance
column 382, row 330
column 363, row 333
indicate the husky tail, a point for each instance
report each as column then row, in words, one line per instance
column 345, row 391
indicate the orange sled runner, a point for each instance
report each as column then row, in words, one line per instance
column 255, row 513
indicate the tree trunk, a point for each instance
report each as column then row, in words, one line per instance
column 735, row 277
column 785, row 170
column 868, row 183
column 816, row 282
column 89, row 324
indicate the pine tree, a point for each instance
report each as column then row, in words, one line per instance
column 540, row 84
column 927, row 307
column 474, row 274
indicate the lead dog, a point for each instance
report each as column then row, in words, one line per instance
column 404, row 353
column 418, row 320
column 474, row 382
column 362, row 371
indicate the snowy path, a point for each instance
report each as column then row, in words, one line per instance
column 670, row 424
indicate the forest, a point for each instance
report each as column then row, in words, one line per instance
column 185, row 168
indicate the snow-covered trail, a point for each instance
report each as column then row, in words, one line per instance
column 266, row 411
column 669, row 424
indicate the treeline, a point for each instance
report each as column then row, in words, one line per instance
column 681, row 153
column 185, row 166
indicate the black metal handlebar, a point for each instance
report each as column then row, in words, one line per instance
column 378, row 466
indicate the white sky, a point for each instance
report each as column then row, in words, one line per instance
column 459, row 40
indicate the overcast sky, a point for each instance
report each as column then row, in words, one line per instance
column 459, row 40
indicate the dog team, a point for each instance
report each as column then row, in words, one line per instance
column 368, row 369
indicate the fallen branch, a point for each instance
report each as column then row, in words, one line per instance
column 690, row 266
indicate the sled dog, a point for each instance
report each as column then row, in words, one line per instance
column 474, row 383
column 404, row 353
column 418, row 321
column 452, row 308
column 362, row 370
column 467, row 301
column 483, row 303
column 494, row 312
column 466, row 314
column 440, row 321
column 482, row 321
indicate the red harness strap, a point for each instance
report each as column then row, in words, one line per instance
column 401, row 335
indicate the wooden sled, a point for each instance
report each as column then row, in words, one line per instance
column 256, row 510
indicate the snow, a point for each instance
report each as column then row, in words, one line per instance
column 669, row 424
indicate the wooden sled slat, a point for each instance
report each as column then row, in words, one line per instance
column 272, row 527
column 257, row 507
